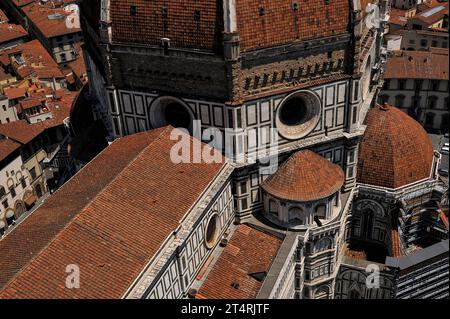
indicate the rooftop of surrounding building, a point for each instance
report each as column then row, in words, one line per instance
column 13, row 93
column 3, row 17
column 32, row 58
column 305, row 176
column 94, row 221
column 7, row 147
column 10, row 32
column 395, row 150
column 241, row 268
column 78, row 65
column 432, row 12
column 23, row 132
column 431, row 65
column 398, row 17
column 51, row 21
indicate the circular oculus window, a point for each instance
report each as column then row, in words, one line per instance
column 167, row 110
column 298, row 114
column 212, row 231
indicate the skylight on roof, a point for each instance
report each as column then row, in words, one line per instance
column 432, row 11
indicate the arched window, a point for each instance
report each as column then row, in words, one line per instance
column 322, row 293
column 296, row 215
column 399, row 101
column 324, row 244
column 368, row 217
column 321, row 211
column 383, row 99
column 429, row 120
column 273, row 207
column 354, row 294
column 432, row 102
column 2, row 192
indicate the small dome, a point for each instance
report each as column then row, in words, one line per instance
column 395, row 150
column 305, row 176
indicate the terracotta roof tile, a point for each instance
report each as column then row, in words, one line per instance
column 418, row 65
column 168, row 19
column 396, row 250
column 256, row 251
column 14, row 93
column 258, row 22
column 305, row 176
column 3, row 17
column 10, row 32
column 395, row 149
column 7, row 147
column 23, row 132
column 275, row 22
column 36, row 60
column 39, row 14
column 93, row 221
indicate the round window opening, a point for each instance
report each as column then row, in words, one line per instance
column 212, row 231
column 168, row 110
column 298, row 115
column 177, row 115
column 293, row 112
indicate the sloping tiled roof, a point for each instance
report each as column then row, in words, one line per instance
column 109, row 219
column 305, row 176
column 10, row 32
column 249, row 251
column 275, row 22
column 433, row 14
column 3, row 17
column 36, row 59
column 418, row 65
column 23, row 132
column 39, row 15
column 183, row 28
column 14, row 93
column 7, row 147
column 199, row 24
column 395, row 149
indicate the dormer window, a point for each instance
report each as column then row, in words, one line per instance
column 133, row 10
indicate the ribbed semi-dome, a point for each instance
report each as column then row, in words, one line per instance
column 395, row 150
column 305, row 176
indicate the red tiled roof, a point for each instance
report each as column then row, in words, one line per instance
column 3, row 17
column 281, row 24
column 147, row 26
column 36, row 60
column 398, row 16
column 433, row 14
column 21, row 3
column 7, row 147
column 396, row 250
column 259, row 24
column 30, row 102
column 418, row 65
column 39, row 15
column 23, row 132
column 10, row 32
column 249, row 251
column 110, row 220
column 14, row 93
column 305, row 176
column 395, row 149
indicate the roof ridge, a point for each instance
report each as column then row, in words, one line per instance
column 77, row 215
